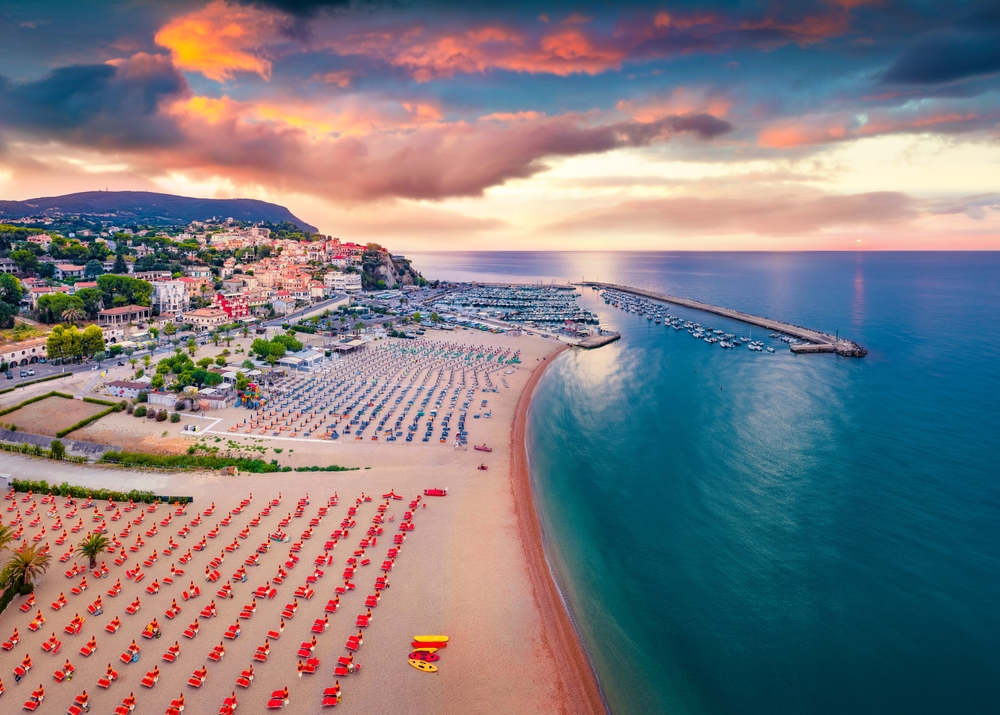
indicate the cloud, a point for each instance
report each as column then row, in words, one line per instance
column 112, row 105
column 429, row 162
column 774, row 214
column 946, row 56
column 221, row 40
column 302, row 8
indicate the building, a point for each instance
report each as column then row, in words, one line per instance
column 198, row 272
column 66, row 270
column 126, row 314
column 80, row 285
column 236, row 305
column 41, row 239
column 7, row 266
column 125, row 389
column 206, row 317
column 170, row 297
column 26, row 353
column 343, row 282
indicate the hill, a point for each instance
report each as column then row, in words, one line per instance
column 149, row 207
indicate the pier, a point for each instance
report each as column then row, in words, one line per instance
column 817, row 342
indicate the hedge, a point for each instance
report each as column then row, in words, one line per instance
column 67, row 490
column 35, row 382
column 87, row 420
column 205, row 461
column 11, row 593
column 304, row 329
column 39, row 398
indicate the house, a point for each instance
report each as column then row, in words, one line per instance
column 80, row 285
column 125, row 389
column 41, row 239
column 198, row 272
column 206, row 317
column 236, row 305
column 283, row 306
column 170, row 297
column 7, row 266
column 66, row 270
column 36, row 292
column 339, row 261
column 343, row 282
column 124, row 315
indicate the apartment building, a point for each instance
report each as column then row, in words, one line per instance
column 170, row 297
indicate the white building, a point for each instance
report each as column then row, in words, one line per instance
column 343, row 282
column 170, row 297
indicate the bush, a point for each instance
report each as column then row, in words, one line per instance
column 123, row 405
column 179, row 405
column 140, row 411
column 161, row 416
column 57, row 450
column 67, row 490
column 143, row 397
column 174, row 417
column 130, row 409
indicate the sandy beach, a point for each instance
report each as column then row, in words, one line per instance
column 473, row 568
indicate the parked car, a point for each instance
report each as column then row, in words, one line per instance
column 31, row 372
column 23, row 373
column 10, row 375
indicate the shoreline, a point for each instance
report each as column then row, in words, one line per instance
column 579, row 689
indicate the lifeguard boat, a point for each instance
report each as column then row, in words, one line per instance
column 483, row 448
column 436, row 492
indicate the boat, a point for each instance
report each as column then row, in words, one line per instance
column 483, row 448
column 436, row 492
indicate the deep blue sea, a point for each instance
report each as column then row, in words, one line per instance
column 757, row 533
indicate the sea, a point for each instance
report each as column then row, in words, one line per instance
column 753, row 533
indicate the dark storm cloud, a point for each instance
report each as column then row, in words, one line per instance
column 947, row 57
column 107, row 105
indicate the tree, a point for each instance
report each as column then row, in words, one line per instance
column 247, row 365
column 154, row 333
column 92, row 340
column 93, row 269
column 92, row 546
column 275, row 352
column 123, row 290
column 146, row 359
column 64, row 343
column 24, row 566
column 245, row 331
column 52, row 305
column 92, row 300
column 204, row 362
column 435, row 318
column 192, row 346
column 47, row 271
column 220, row 361
column 120, row 266
column 169, row 329
column 25, row 260
column 10, row 289
column 6, row 536
column 73, row 315
column 8, row 314
column 417, row 317
column 157, row 382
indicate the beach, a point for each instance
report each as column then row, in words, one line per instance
column 473, row 569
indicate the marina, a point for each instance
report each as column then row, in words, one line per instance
column 814, row 341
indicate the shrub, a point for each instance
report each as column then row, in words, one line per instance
column 130, row 409
column 115, row 407
column 180, row 461
column 174, row 417
column 179, row 405
column 161, row 416
column 143, row 397
column 140, row 411
column 57, row 449
column 122, row 405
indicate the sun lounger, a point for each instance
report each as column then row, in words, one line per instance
column 106, row 680
column 149, row 680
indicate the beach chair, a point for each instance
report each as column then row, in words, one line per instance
column 217, row 653
column 331, row 696
column 171, row 655
column 88, row 649
column 149, row 680
column 277, row 700
column 113, row 626
column 193, row 593
column 191, row 631
column 196, row 680
column 246, row 677
column 233, row 631
column 310, row 666
column 106, row 681
column 64, row 672
column 57, row 604
column 133, row 607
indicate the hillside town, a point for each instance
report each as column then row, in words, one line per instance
column 137, row 285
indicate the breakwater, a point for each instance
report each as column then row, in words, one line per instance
column 816, row 341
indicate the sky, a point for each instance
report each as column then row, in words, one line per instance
column 799, row 125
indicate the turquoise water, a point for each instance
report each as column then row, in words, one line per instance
column 739, row 532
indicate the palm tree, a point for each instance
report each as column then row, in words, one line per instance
column 192, row 346
column 24, row 567
column 245, row 331
column 73, row 315
column 133, row 362
column 92, row 546
column 6, row 536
